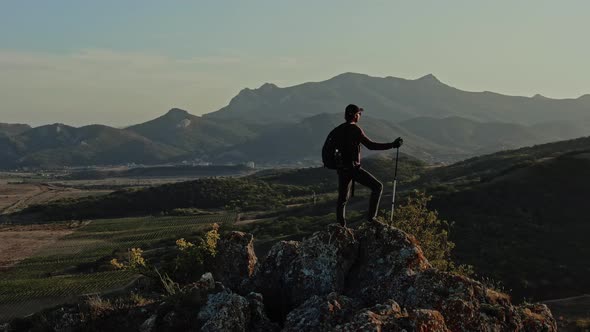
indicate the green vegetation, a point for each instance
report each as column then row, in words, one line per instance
column 524, row 221
column 432, row 233
column 192, row 258
column 486, row 168
column 211, row 193
column 323, row 180
column 82, row 262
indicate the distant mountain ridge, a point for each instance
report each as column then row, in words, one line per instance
column 192, row 133
column 60, row 145
column 288, row 126
column 396, row 99
column 10, row 129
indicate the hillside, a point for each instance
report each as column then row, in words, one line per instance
column 208, row 193
column 58, row 145
column 478, row 138
column 429, row 139
column 483, row 168
column 10, row 129
column 536, row 208
column 191, row 133
column 396, row 99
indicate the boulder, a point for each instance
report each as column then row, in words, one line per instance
column 320, row 313
column 225, row 311
column 293, row 271
column 235, row 260
column 388, row 261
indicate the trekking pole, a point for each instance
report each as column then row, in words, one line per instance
column 394, row 186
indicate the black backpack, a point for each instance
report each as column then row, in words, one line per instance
column 332, row 150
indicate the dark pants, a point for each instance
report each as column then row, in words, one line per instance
column 345, row 178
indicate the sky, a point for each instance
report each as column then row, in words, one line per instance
column 119, row 62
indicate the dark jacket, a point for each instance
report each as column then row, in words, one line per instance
column 352, row 138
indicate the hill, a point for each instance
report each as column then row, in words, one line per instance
column 10, row 129
column 396, row 99
column 59, row 145
column 483, row 168
column 207, row 193
column 531, row 201
column 302, row 141
column 322, row 180
column 192, row 133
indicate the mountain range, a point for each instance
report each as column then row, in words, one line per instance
column 273, row 125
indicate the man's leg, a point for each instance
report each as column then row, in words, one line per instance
column 367, row 179
column 344, row 183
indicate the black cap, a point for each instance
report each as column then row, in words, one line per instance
column 352, row 109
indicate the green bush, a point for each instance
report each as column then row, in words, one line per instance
column 432, row 233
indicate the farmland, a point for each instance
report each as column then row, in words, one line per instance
column 75, row 261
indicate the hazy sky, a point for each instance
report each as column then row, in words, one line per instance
column 123, row 62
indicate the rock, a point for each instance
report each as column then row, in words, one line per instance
column 196, row 293
column 323, row 263
column 259, row 322
column 149, row 324
column 293, row 271
column 225, row 311
column 381, row 317
column 388, row 262
column 537, row 317
column 235, row 260
column 272, row 278
column 207, row 281
column 320, row 313
column 426, row 320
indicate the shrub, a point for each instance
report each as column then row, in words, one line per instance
column 432, row 233
column 193, row 258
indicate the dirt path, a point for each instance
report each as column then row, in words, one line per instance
column 249, row 221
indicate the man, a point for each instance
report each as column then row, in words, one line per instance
column 352, row 137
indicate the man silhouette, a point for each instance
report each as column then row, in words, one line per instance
column 352, row 138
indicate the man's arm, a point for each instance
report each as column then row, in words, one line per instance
column 374, row 145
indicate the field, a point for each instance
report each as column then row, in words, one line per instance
column 17, row 196
column 68, row 261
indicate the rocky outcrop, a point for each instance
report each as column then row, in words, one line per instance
column 235, row 260
column 294, row 271
column 375, row 278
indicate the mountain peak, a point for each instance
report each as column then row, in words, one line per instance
column 349, row 75
column 177, row 111
column 429, row 78
column 539, row 96
column 267, row 86
column 584, row 97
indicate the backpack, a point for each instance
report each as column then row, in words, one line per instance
column 332, row 149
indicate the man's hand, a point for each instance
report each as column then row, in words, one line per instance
column 398, row 142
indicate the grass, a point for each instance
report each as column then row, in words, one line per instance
column 77, row 264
